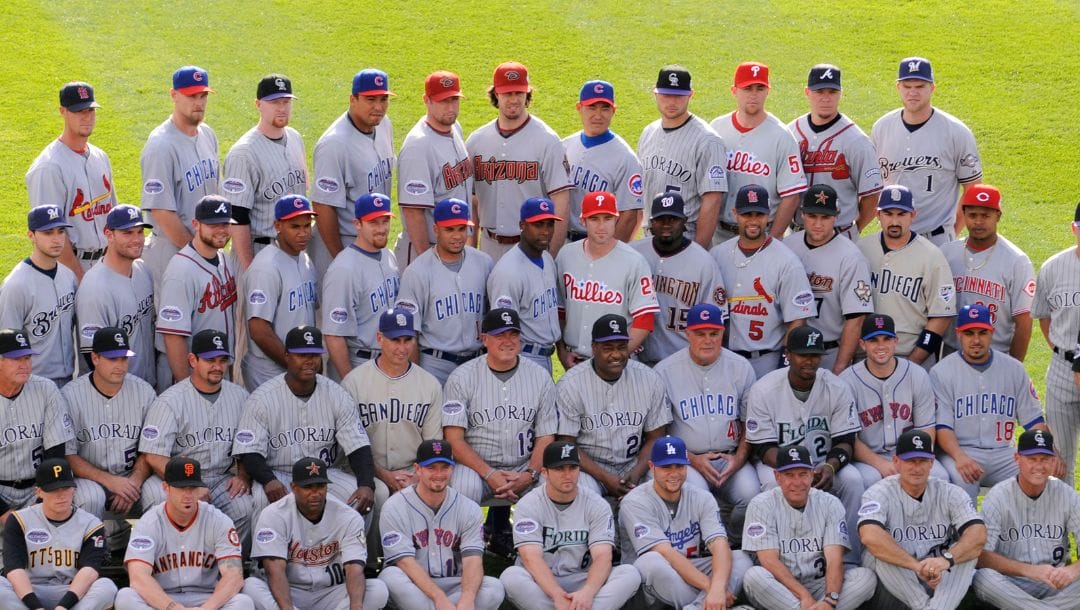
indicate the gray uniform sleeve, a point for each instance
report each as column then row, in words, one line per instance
column 413, row 292
column 760, row 528
column 338, row 311
column 759, row 423
column 528, row 520
column 271, row 537
column 351, row 434
column 710, row 172
column 640, row 525
column 396, row 531
column 960, row 507
column 240, row 178
column 569, row 408
column 157, row 163
column 455, row 406
column 601, row 523
column 252, row 435
column 875, row 505
column 836, row 529
column 470, row 522
column 993, row 505
column 547, row 416
column 159, row 430
column 263, row 293
column 708, row 512
column 58, row 426
column 939, row 288
column 943, row 395
column 554, row 172
column 330, row 184
column 45, row 183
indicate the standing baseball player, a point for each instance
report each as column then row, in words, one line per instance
column 927, row 150
column 445, row 290
column 565, row 539
column 432, row 541
column 515, row 156
column 837, row 153
column 600, row 160
column 838, row 276
column 432, row 165
column 990, row 270
column 910, row 277
column 799, row 535
column 266, row 163
column 282, row 292
column 768, row 294
column 922, row 534
column 39, row 295
column 679, row 152
column 360, row 284
column 760, row 150
column 76, row 176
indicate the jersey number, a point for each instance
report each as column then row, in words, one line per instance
column 819, row 565
column 1059, row 556
column 525, row 442
column 1004, row 430
column 793, row 165
column 586, row 560
column 677, row 318
column 129, row 458
column 633, row 445
column 36, row 456
column 757, row 330
column 328, row 454
column 821, row 446
column 336, row 574
column 930, row 183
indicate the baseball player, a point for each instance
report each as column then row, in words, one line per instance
column 76, row 176
column 678, row 540
column 525, row 279
column 360, row 284
column 760, row 150
column 311, row 550
column 282, row 292
column 838, row 276
column 679, row 152
column 683, row 275
column 922, row 534
column 599, row 276
column 990, row 270
column 910, row 277
column 184, row 552
column 119, row 291
column 432, row 165
column 799, row 536
column 355, row 155
column 265, row 163
column 837, row 153
column 53, row 551
column 565, row 539
column 445, row 290
column 180, row 166
column 1028, row 521
column 432, row 541
column 515, row 156
column 600, row 160
column 39, row 295
column 927, row 150
column 613, row 408
column 768, row 293
column 198, row 290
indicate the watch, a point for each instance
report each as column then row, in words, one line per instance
column 532, row 473
column 832, row 598
column 946, row 555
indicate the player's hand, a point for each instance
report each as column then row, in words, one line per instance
column 1076, row 378
column 731, row 466
column 615, row 485
column 886, row 468
column 823, row 476
column 562, row 602
column 517, row 483
column 363, row 499
column 123, row 487
column 702, row 462
column 498, row 480
column 466, row 604
column 444, row 603
column 969, row 469
column 581, row 599
column 121, row 506
column 1061, row 577
column 275, row 490
column 568, row 358
column 820, row 605
column 236, row 486
column 716, row 600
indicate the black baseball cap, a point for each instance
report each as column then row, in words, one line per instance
column 561, row 453
column 274, row 86
column 111, row 342
column 823, row 76
column 673, row 80
column 432, row 451
column 914, row 444
column 214, row 210
column 752, row 198
column 14, row 343
column 77, row 96
column 184, row 472
column 498, row 321
column 1033, row 442
column 610, row 327
column 53, row 474
column 877, row 324
column 668, row 204
column 795, row 456
column 304, row 340
column 819, row 199
column 210, row 343
column 309, row 471
column 806, row 340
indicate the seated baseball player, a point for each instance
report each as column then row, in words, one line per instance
column 799, row 535
column 53, row 550
column 1028, row 522
column 183, row 553
column 921, row 535
column 311, row 549
column 432, row 541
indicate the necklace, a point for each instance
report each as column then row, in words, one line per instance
column 969, row 258
column 749, row 259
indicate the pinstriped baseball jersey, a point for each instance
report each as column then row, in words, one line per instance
column 921, row 527
column 196, row 295
column 53, row 548
column 799, row 535
column 349, row 163
column 689, row 159
column 707, row 402
column 508, row 169
column 448, row 304
column 501, row 419
column 609, row 166
column 775, row 415
column 80, row 183
column 1031, row 530
column 106, row 298
column 282, row 290
column 766, row 155
column 610, row 420
column 765, row 290
column 889, row 407
column 178, row 170
column 258, row 170
column 516, row 282
column 933, row 161
column 107, row 429
column 566, row 533
column 984, row 404
column 45, row 307
column 1002, row 279
column 646, row 520
column 1057, row 296
column 437, row 540
column 357, row 288
column 432, row 166
column 839, row 278
column 841, row 156
column 34, row 420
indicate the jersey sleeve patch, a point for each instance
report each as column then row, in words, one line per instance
column 265, row 536
column 452, row 407
column 170, row 313
column 245, row 437
column 504, row 301
column 150, row 432
column 234, row 186
column 635, row 185
column 328, row 184
column 751, row 425
column 257, row 297
column 869, row 508
column 755, row 530
column 234, row 538
column 1029, row 288
column 153, row 187
column 641, row 530
column 863, row 291
column 38, row 536
column 339, row 315
column 526, row 526
column 416, row 187
column 87, row 331
column 946, row 291
column 391, row 538
column 141, row 543
column 803, row 299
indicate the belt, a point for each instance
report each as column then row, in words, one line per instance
column 367, row 353
column 831, row 344
column 263, row 241
column 91, row 255
column 730, row 228
column 540, row 350
column 503, row 239
column 748, row 355
column 575, row 235
column 844, row 228
column 455, row 357
column 1069, row 355
column 23, row 484
column 935, row 232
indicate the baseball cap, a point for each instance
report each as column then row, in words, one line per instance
column 610, row 327
column 751, row 73
column 597, row 91
column 111, row 342
column 819, row 199
column 795, row 456
column 974, row 316
column 877, row 324
column 210, row 343
column 1032, row 442
column 673, row 80
column 442, row 84
column 536, row 209
column 14, row 344
column 917, row 68
column 823, row 76
column 45, row 217
column 183, row 472
column 77, row 96
column 452, row 212
column 752, row 198
column 896, row 197
column 291, row 206
column 274, row 86
column 599, row 202
column 806, row 340
column 434, row 450
column 125, row 216
column 669, row 450
column 372, row 205
column 397, row 322
column 309, row 471
column 53, row 474
column 214, row 210
column 705, row 315
column 983, row 196
column 561, row 453
column 190, row 80
column 669, row 203
column 914, row 444
column 511, row 77
column 371, row 81
column 498, row 321
column 304, row 339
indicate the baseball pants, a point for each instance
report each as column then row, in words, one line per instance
column 469, row 483
column 1004, row 591
column 764, row 591
column 941, row 239
column 438, row 367
column 492, row 247
column 1063, row 411
column 129, row 599
column 828, row 359
column 662, row 583
column 330, row 598
column 408, row 596
column 256, row 371
column 737, row 491
column 870, row 475
column 239, row 509
column 767, row 363
column 901, row 588
column 544, row 361
column 523, row 592
column 99, row 596
column 998, row 465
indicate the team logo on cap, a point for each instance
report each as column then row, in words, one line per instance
column 598, row 88
column 446, row 82
column 400, row 319
column 377, row 202
column 673, row 79
column 218, row 343
column 436, row 446
column 614, row 325
column 223, row 208
column 755, row 69
column 313, row 469
column 189, row 470
column 544, row 207
column 83, row 93
column 119, row 339
column 21, row 339
column 821, row 198
column 879, row 322
column 455, row 208
column 197, row 76
column 512, row 75
column 973, row 313
column 670, row 449
column 133, row 213
column 895, row 194
column 298, row 203
column 793, row 453
column 667, row 202
column 280, row 83
column 566, row 451
column 812, row 338
column 913, row 66
column 1039, row 439
column 505, row 316
column 916, row 441
column 704, row 314
column 309, row 338
column 378, row 80
column 53, row 213
column 982, row 196
column 826, row 74
column 751, row 196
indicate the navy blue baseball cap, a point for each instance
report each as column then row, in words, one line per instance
column 752, row 198
column 291, row 206
column 795, row 456
column 877, row 324
column 45, row 217
column 610, row 327
column 397, row 322
column 370, row 206
column 125, row 216
column 914, row 444
column 435, row 450
column 371, row 81
column 111, row 342
column 77, row 96
column 705, row 315
column 915, row 68
column 214, row 210
column 669, row 450
column 536, row 209
column 452, row 212
column 823, row 76
column 190, row 80
column 304, row 340
column 896, row 197
column 210, row 343
column 597, row 91
column 974, row 316
column 669, row 203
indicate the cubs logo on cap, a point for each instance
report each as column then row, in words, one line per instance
column 214, row 210
column 291, row 206
column 706, row 315
column 304, row 340
column 669, row 450
column 536, row 209
column 14, row 343
column 452, row 212
column 498, row 321
column 751, row 73
column 441, row 85
column 210, row 343
column 111, row 342
column 511, row 77
column 610, row 327
column 45, row 217
column 274, row 86
column 876, row 324
column 596, row 92
column 823, row 76
column 914, row 444
column 795, row 456
column 673, row 80
column 370, row 206
column 752, row 198
column 668, row 203
column 371, row 81
column 396, row 322
column 896, row 197
column 77, row 96
column 599, row 202
column 1034, row 442
column 915, row 68
column 124, row 217
column 974, row 316
column 190, row 80
column 982, row 196
column 561, row 453
column 432, row 451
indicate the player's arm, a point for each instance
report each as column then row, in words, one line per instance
column 686, row 569
column 971, row 542
column 561, row 199
column 472, row 574
column 465, row 455
column 958, row 218
column 354, row 584
column 838, row 457
column 419, row 577
column 415, row 227
column 834, row 568
column 141, row 578
column 328, row 228
column 708, row 217
column 176, row 352
column 156, row 463
column 721, row 572
column 532, row 559
column 965, row 465
column 15, row 558
column 785, row 213
column 168, row 221
column 770, row 560
column 242, row 245
column 930, row 339
column 640, row 327
column 67, row 259
column 1021, row 336
column 1044, row 326
column 641, row 465
column 876, row 539
column 230, row 583
column 277, row 580
column 262, row 333
column 849, row 341
column 627, row 225
column 125, row 490
column 863, row 453
column 338, row 351
column 91, row 556
column 867, row 210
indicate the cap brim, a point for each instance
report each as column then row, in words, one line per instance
column 666, row 91
column 217, row 221
column 671, row 214
column 313, row 481
column 196, row 89
column 53, row 225
column 820, row 86
column 116, row 353
column 672, row 461
column 760, row 209
column 19, row 353
column 989, row 327
column 438, row 97
column 305, row 350
column 878, row 333
column 597, row 100
column 131, row 225
column 706, row 325
column 82, row 106
column 540, row 217
column 376, row 92
column 558, row 463
column 914, row 455
column 454, row 222
column 501, row 330
column 808, row 351
column 300, row 213
column 187, row 483
column 276, row 96
column 794, row 466
column 753, row 81
column 929, row 80
column 213, row 354
column 398, row 332
column 374, row 215
column 513, row 89
column 1036, row 451
column 815, row 210
column 611, row 338
column 434, row 460
column 592, row 213
column 894, row 206
column 54, row 485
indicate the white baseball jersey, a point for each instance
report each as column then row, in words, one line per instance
column 799, row 535
column 933, row 161
column 889, row 407
column 432, row 166
column 358, row 286
column 566, row 533
column 839, row 278
column 178, row 170
column 647, row 521
column 1031, row 530
column 107, row 429
column 55, row 551
column 259, row 170
column 448, row 301
column 1057, row 297
column 34, row 420
column 437, row 539
column 923, row 527
column 196, row 295
column 42, row 303
column 602, row 163
column 531, row 287
column 81, row 183
column 106, row 298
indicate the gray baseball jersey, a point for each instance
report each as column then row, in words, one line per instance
column 34, row 420
column 889, row 407
column 839, row 278
column 1001, row 278
column 81, row 184
column 566, row 533
column 707, row 402
column 357, row 288
column 43, row 303
column 799, row 535
column 647, row 521
column 447, row 301
column 106, row 298
column 933, row 161
column 196, row 295
column 923, row 527
column 107, row 429
column 436, row 539
column 178, row 170
column 53, row 549
column 532, row 288
column 604, row 163
column 689, row 159
column 1057, row 297
column 1031, row 530
column 432, row 166
column 259, row 170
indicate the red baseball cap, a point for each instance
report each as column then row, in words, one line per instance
column 511, row 77
column 751, row 73
column 441, row 85
column 599, row 202
column 983, row 196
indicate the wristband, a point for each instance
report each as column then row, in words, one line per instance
column 488, row 475
column 831, row 467
column 31, row 601
column 841, row 456
column 929, row 341
column 68, row 600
